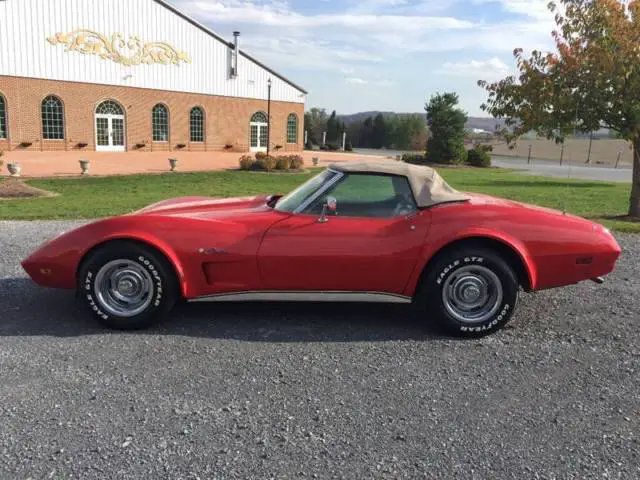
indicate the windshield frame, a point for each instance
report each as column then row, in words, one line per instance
column 336, row 177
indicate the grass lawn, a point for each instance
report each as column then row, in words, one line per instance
column 94, row 197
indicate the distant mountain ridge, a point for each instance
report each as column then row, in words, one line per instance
column 484, row 123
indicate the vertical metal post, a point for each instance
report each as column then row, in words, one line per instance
column 268, row 115
column 618, row 159
column 589, row 152
column 529, row 157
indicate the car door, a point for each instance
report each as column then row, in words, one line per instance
column 370, row 244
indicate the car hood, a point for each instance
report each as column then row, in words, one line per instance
column 206, row 207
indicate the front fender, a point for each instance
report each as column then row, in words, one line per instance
column 152, row 241
column 440, row 240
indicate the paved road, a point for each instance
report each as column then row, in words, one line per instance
column 313, row 391
column 554, row 169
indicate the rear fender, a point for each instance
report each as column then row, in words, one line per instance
column 436, row 245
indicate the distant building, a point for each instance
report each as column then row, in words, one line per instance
column 118, row 75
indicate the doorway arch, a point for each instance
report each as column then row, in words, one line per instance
column 258, row 132
column 110, row 127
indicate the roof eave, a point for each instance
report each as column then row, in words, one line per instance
column 227, row 43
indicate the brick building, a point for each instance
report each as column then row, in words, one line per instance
column 123, row 75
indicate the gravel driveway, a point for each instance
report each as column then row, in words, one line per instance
column 317, row 391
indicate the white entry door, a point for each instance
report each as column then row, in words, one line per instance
column 258, row 132
column 110, row 127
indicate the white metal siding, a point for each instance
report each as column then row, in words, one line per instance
column 25, row 26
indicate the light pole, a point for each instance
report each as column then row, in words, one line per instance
column 268, row 115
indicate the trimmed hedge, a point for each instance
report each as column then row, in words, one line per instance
column 414, row 158
column 246, row 162
column 479, row 156
column 262, row 162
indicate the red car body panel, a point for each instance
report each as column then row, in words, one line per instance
column 236, row 245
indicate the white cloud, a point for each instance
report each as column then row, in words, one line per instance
column 364, row 43
column 537, row 9
column 279, row 14
column 374, row 83
column 492, row 68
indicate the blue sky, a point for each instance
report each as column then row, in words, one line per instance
column 382, row 54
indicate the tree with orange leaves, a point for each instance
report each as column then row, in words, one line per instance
column 592, row 81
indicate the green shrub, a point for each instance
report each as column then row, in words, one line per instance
column 266, row 163
column 246, row 162
column 261, row 155
column 283, row 163
column 332, row 147
column 296, row 162
column 414, row 158
column 479, row 157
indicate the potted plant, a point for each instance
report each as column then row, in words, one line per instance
column 84, row 165
column 315, row 161
column 173, row 163
column 14, row 169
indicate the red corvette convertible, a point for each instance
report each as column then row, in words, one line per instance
column 383, row 232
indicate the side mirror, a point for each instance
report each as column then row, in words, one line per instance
column 330, row 205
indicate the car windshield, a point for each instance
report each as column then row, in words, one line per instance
column 293, row 200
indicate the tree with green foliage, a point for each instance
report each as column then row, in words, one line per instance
column 407, row 132
column 447, row 125
column 379, row 135
column 315, row 122
column 332, row 128
column 591, row 81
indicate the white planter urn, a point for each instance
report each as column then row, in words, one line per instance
column 84, row 165
column 173, row 163
column 14, row 169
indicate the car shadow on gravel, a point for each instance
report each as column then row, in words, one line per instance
column 28, row 310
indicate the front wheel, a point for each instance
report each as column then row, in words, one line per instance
column 470, row 292
column 127, row 286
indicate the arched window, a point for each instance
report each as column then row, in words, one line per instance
column 160, row 121
column 259, row 117
column 3, row 118
column 292, row 128
column 109, row 107
column 196, row 124
column 52, row 119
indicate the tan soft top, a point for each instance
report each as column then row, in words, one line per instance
column 429, row 188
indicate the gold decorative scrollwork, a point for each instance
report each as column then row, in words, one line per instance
column 116, row 49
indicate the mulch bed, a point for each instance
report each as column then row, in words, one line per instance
column 11, row 188
column 624, row 218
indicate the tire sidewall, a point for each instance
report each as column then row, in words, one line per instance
column 448, row 266
column 160, row 302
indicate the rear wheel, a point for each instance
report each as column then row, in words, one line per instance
column 128, row 286
column 469, row 291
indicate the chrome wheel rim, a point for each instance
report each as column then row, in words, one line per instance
column 472, row 294
column 124, row 288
